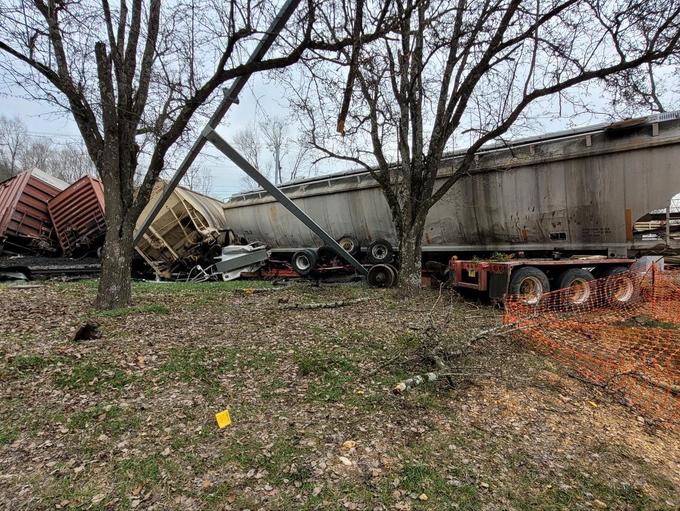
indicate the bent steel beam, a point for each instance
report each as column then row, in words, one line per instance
column 230, row 97
column 231, row 153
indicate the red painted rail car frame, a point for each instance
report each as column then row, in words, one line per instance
column 77, row 214
column 25, row 224
column 493, row 277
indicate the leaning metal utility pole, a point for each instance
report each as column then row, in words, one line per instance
column 230, row 97
column 209, row 134
column 231, row 153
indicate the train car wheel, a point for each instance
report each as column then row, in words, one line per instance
column 379, row 252
column 394, row 274
column 304, row 261
column 350, row 244
column 381, row 275
column 326, row 254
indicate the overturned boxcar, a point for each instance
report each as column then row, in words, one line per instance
column 77, row 214
column 25, row 225
column 190, row 230
column 575, row 192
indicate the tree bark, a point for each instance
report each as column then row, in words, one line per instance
column 114, row 289
column 116, row 262
column 410, row 256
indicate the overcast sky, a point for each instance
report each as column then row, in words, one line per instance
column 45, row 121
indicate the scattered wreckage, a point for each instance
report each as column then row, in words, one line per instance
column 48, row 228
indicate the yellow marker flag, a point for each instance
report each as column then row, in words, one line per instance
column 223, row 419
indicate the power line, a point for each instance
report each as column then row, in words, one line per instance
column 45, row 134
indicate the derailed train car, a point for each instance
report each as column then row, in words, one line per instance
column 77, row 215
column 557, row 210
column 571, row 192
column 25, row 225
column 190, row 230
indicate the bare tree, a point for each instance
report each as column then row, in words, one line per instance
column 13, row 137
column 300, row 157
column 36, row 154
column 20, row 151
column 198, row 179
column 463, row 70
column 135, row 76
column 70, row 162
column 273, row 131
column 247, row 141
column 289, row 156
column 650, row 88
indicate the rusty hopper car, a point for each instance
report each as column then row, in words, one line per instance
column 25, row 225
column 190, row 230
column 575, row 192
column 77, row 214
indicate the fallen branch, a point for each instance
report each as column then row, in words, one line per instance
column 410, row 383
column 327, row 305
column 413, row 382
column 492, row 332
column 253, row 290
column 673, row 389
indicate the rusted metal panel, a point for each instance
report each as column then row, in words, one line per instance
column 552, row 193
column 77, row 214
column 25, row 224
column 188, row 230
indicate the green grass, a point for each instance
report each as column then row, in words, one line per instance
column 647, row 322
column 8, row 434
column 276, row 457
column 143, row 288
column 77, row 492
column 409, row 340
column 132, row 472
column 217, row 494
column 114, row 422
column 199, row 365
column 152, row 308
column 575, row 489
column 317, row 363
column 332, row 375
column 30, row 363
column 91, row 374
column 418, row 478
column 333, row 387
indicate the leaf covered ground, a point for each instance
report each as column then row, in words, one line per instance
column 127, row 421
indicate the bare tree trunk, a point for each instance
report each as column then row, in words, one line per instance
column 410, row 256
column 114, row 282
column 116, row 263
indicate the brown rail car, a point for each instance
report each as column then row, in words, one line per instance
column 77, row 214
column 25, row 225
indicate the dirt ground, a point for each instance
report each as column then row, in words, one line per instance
column 127, row 421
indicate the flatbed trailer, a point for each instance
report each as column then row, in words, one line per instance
column 531, row 279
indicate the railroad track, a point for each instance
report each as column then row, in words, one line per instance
column 48, row 267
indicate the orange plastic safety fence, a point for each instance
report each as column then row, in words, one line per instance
column 621, row 332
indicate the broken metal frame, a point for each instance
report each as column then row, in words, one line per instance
column 209, row 134
column 223, row 146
